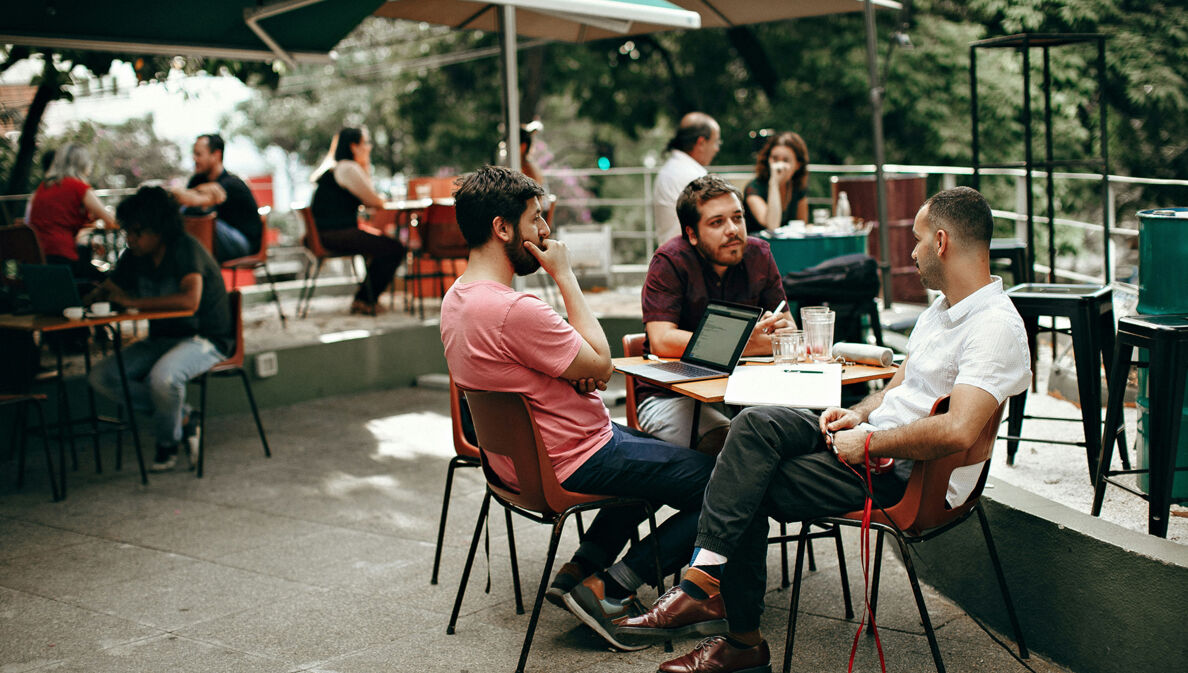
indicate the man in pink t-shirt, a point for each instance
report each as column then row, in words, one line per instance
column 498, row 339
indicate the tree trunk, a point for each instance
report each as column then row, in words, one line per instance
column 49, row 90
column 743, row 39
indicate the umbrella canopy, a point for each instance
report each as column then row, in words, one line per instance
column 564, row 20
column 291, row 30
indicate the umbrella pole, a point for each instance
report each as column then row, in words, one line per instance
column 511, row 84
column 876, row 123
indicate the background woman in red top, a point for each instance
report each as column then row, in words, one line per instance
column 62, row 205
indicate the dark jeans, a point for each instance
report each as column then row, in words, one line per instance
column 631, row 465
column 230, row 243
column 775, row 464
column 386, row 255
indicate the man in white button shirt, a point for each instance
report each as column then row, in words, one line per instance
column 696, row 143
column 777, row 462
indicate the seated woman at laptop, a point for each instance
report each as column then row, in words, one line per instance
column 165, row 269
column 62, row 206
column 712, row 259
column 344, row 183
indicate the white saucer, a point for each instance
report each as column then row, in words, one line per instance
column 96, row 314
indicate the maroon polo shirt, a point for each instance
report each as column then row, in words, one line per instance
column 681, row 283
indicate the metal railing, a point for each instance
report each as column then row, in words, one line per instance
column 947, row 175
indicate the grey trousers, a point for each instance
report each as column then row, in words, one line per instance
column 775, row 464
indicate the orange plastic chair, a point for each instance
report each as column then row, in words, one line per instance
column 313, row 243
column 257, row 260
column 232, row 366
column 467, row 455
column 505, row 427
column 441, row 241
column 202, row 228
column 18, row 243
column 920, row 515
column 632, row 347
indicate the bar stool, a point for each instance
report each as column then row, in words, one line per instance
column 1166, row 339
column 1015, row 252
column 1090, row 311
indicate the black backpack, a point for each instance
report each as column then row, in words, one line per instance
column 846, row 284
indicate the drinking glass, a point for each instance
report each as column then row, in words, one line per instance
column 805, row 311
column 787, row 346
column 818, row 330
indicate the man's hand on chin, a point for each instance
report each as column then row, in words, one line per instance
column 553, row 256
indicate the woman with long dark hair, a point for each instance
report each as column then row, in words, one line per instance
column 779, row 191
column 343, row 184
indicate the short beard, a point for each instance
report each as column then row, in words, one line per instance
column 523, row 262
column 709, row 255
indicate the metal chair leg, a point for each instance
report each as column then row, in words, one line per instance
column 924, row 619
column 474, row 542
column 515, row 564
column 445, row 506
column 202, row 423
column 1002, row 584
column 794, row 606
column 247, row 388
column 841, row 568
column 275, row 295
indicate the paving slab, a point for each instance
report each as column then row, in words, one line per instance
column 319, row 559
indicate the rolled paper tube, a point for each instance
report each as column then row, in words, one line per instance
column 864, row 354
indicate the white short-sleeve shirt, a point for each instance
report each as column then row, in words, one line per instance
column 677, row 172
column 980, row 341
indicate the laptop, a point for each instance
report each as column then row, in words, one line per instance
column 51, row 288
column 714, row 349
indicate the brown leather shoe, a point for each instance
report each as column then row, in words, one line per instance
column 676, row 614
column 716, row 655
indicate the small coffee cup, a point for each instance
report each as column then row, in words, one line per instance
column 72, row 313
column 101, row 308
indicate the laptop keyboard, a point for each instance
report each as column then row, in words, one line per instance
column 679, row 368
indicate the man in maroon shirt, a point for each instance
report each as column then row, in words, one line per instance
column 712, row 259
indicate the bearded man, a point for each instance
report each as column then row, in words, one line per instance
column 713, row 259
column 498, row 339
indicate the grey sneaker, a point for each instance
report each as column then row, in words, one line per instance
column 568, row 577
column 165, row 460
column 589, row 603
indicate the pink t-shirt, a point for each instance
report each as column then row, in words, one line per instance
column 498, row 339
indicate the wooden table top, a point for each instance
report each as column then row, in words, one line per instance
column 714, row 390
column 48, row 323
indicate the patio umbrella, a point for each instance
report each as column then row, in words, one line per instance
column 245, row 30
column 565, row 20
column 585, row 20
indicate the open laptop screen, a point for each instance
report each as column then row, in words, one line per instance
column 722, row 335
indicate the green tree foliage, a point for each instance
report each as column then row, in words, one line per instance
column 54, row 79
column 124, row 154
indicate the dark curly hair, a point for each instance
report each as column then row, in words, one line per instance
column 490, row 192
column 154, row 209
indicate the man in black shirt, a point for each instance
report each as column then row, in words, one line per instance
column 237, row 228
column 165, row 269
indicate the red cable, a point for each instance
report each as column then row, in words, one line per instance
column 864, row 553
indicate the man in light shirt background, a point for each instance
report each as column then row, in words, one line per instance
column 696, row 143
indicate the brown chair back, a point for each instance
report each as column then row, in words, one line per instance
column 505, row 427
column 19, row 243
column 235, row 360
column 312, row 241
column 633, row 345
column 439, row 187
column 462, row 445
column 202, row 228
column 441, row 236
column 923, row 505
